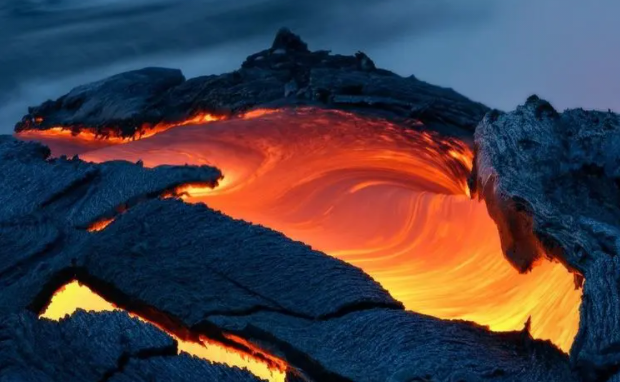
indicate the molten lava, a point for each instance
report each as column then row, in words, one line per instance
column 100, row 225
column 75, row 296
column 389, row 200
column 66, row 141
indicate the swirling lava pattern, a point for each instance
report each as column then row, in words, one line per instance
column 390, row 200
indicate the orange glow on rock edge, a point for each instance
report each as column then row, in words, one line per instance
column 100, row 225
column 145, row 131
column 75, row 296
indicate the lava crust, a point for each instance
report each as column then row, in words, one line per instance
column 98, row 347
column 552, row 184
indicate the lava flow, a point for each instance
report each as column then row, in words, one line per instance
column 74, row 295
column 389, row 200
column 66, row 141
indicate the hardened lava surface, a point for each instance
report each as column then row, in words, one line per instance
column 98, row 347
column 552, row 184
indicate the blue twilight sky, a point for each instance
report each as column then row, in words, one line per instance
column 494, row 51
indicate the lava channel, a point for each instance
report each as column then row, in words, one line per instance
column 390, row 200
column 74, row 296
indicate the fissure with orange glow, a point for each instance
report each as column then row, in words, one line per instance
column 100, row 225
column 389, row 200
column 67, row 141
column 179, row 191
column 74, row 295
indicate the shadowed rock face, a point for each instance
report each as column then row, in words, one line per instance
column 188, row 267
column 552, row 183
column 287, row 74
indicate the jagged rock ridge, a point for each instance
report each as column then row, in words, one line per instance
column 552, row 183
column 287, row 74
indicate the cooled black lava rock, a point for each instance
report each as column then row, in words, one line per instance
column 552, row 180
column 287, row 74
column 289, row 41
column 221, row 266
column 120, row 101
column 183, row 368
column 89, row 347
column 197, row 271
column 399, row 346
column 82, row 192
column 45, row 205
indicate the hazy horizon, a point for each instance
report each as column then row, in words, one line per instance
column 492, row 52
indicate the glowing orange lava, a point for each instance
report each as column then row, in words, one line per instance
column 75, row 296
column 65, row 141
column 100, row 225
column 391, row 201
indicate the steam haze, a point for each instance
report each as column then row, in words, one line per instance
column 494, row 51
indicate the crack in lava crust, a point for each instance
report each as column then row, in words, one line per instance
column 391, row 201
column 74, row 295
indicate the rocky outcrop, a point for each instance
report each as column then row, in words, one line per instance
column 196, row 271
column 552, row 183
column 287, row 74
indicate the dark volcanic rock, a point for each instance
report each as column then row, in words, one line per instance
column 119, row 101
column 30, row 182
column 221, row 266
column 78, row 191
column 287, row 40
column 98, row 347
column 287, row 74
column 399, row 346
column 182, row 368
column 552, row 181
column 45, row 205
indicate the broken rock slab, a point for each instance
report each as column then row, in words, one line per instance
column 192, row 262
column 399, row 346
column 551, row 182
column 78, row 191
column 46, row 205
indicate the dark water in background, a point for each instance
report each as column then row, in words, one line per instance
column 495, row 51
